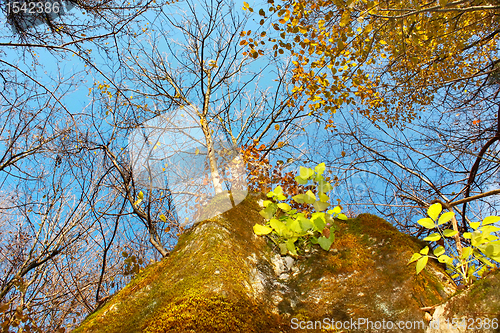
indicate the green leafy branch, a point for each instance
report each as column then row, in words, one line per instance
column 290, row 229
column 462, row 263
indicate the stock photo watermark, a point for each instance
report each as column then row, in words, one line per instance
column 365, row 324
column 205, row 176
column 25, row 14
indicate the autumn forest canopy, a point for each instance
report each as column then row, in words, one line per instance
column 399, row 99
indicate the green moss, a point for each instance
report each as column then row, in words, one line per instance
column 213, row 314
column 211, row 281
column 209, row 258
column 365, row 275
column 482, row 297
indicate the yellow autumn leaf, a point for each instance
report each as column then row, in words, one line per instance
column 345, row 19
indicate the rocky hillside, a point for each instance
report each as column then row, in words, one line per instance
column 222, row 277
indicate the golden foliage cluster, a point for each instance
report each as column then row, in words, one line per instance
column 386, row 59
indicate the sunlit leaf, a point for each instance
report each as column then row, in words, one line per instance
column 446, row 217
column 305, row 173
column 323, row 197
column 466, row 252
column 489, row 229
column 474, row 225
column 427, row 223
column 445, row 259
column 318, row 220
column 433, row 237
column 415, row 257
column 335, row 210
column 305, row 223
column 492, row 249
column 449, row 232
column 491, row 219
column 301, row 180
column 283, row 248
column 290, row 245
column 278, row 190
column 421, row 263
column 268, row 212
column 260, row 230
column 267, row 203
column 299, row 198
column 320, row 168
column 279, row 227
column 320, row 206
column 439, row 251
column 325, row 243
column 309, row 197
column 346, row 17
column 294, row 225
column 434, row 210
column 284, row 207
column 324, row 186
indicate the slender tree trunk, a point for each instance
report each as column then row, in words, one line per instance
column 212, row 160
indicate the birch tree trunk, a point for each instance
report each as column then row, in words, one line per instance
column 214, row 172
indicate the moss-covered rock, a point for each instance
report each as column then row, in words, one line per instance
column 476, row 309
column 365, row 277
column 222, row 277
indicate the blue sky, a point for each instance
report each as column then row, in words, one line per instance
column 77, row 79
